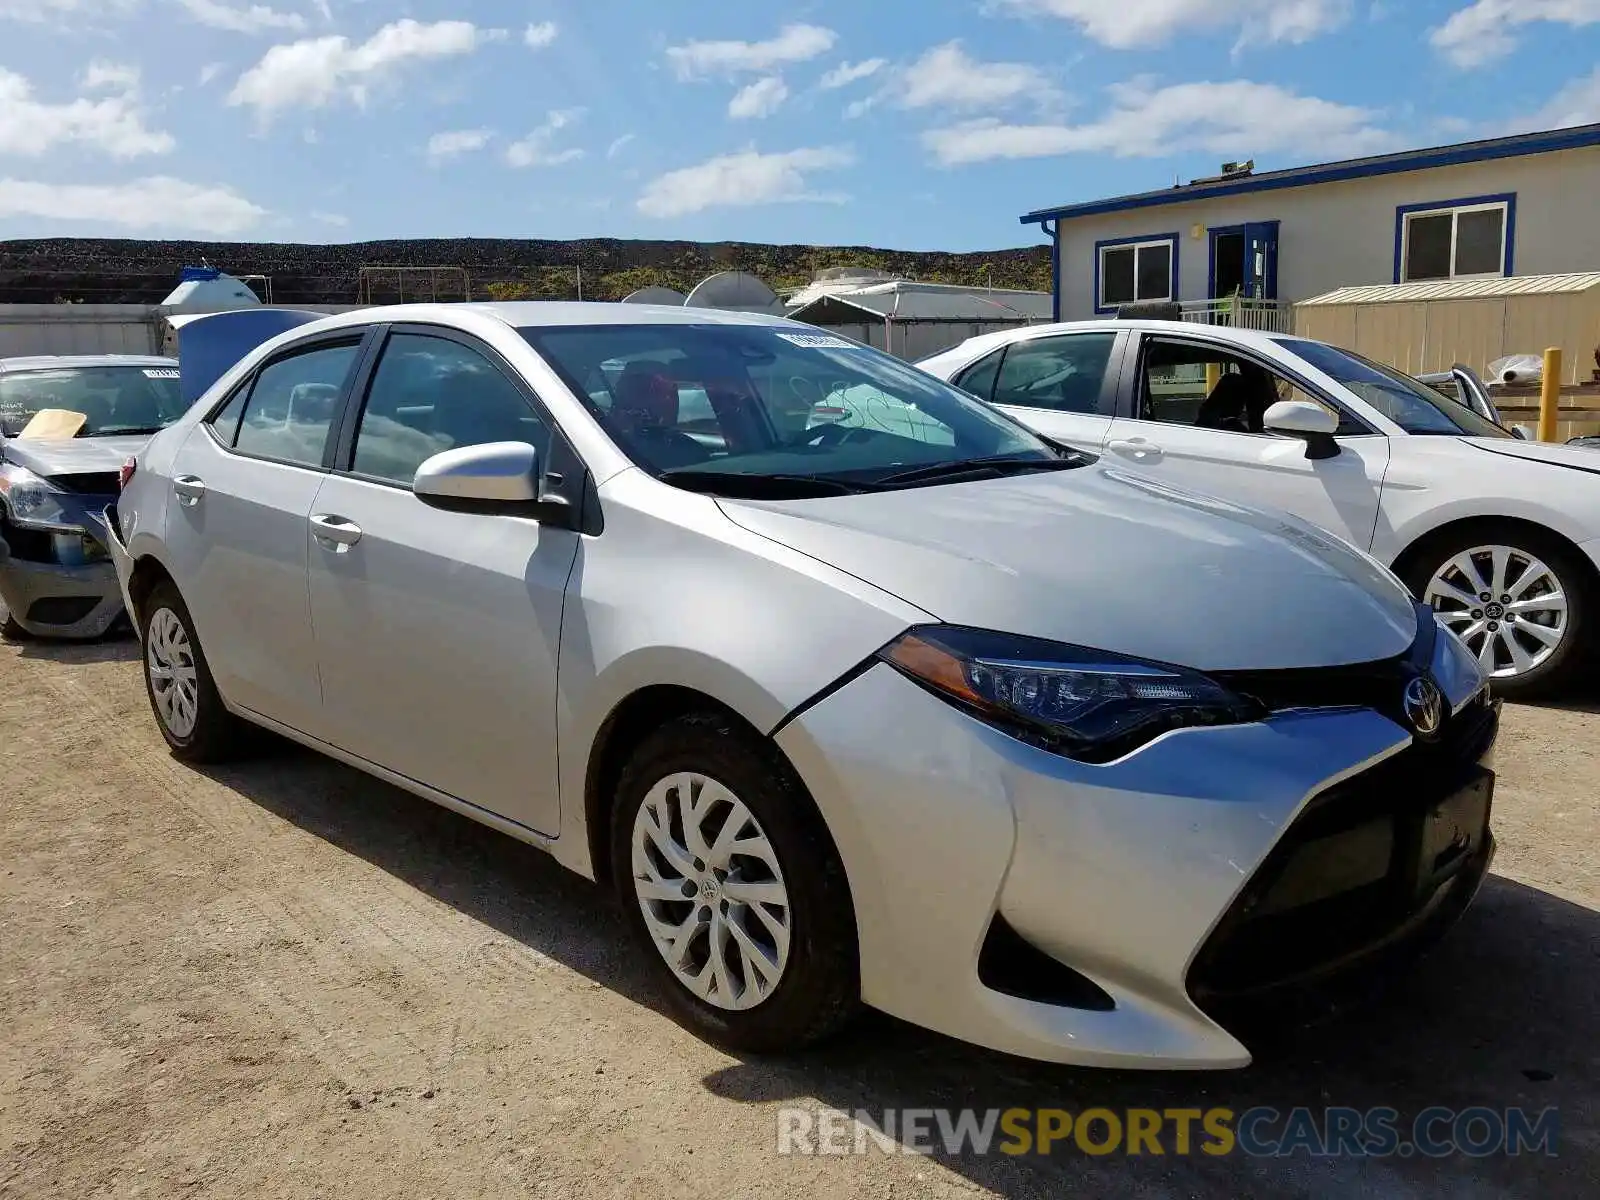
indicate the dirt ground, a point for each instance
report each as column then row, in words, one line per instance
column 287, row 979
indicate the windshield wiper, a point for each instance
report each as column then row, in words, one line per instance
column 119, row 431
column 976, row 468
column 760, row 487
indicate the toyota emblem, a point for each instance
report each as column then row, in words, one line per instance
column 1424, row 706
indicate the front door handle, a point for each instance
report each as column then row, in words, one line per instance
column 335, row 533
column 191, row 489
column 1138, row 449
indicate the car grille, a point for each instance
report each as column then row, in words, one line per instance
column 1355, row 872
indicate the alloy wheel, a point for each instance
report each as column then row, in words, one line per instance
column 1506, row 604
column 174, row 680
column 708, row 882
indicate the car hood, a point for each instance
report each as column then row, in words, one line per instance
column 1582, row 458
column 1104, row 558
column 72, row 456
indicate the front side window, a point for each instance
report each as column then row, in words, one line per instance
column 1209, row 387
column 110, row 400
column 759, row 403
column 431, row 394
column 1409, row 403
column 1136, row 271
column 1065, row 373
column 293, row 403
column 1454, row 242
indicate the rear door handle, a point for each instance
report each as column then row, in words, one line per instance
column 334, row 533
column 1135, row 448
column 190, row 489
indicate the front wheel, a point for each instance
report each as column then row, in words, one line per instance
column 733, row 888
column 188, row 708
column 1520, row 601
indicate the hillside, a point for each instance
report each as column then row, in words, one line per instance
column 127, row 271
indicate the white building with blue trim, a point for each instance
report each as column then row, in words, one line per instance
column 1523, row 205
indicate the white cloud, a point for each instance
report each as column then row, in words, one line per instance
column 539, row 34
column 210, row 71
column 455, row 142
column 1578, row 103
column 1486, row 29
column 1126, row 23
column 158, row 203
column 761, row 99
column 742, row 179
column 794, row 43
column 122, row 77
column 113, row 124
column 1233, row 119
column 315, row 72
column 337, row 220
column 250, row 18
column 848, row 73
column 946, row 77
column 617, row 146
column 536, row 150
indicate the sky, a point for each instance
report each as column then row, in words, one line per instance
column 912, row 124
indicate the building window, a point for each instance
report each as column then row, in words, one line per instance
column 1135, row 270
column 1458, row 239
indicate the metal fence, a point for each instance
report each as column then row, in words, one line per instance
column 1241, row 312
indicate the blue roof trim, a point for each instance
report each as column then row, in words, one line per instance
column 1357, row 168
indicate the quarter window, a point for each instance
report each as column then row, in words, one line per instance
column 431, row 394
column 1136, row 271
column 1455, row 242
column 1063, row 373
column 293, row 403
column 979, row 378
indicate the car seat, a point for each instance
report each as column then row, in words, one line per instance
column 1227, row 406
column 645, row 416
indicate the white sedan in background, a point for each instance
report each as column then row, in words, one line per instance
column 1500, row 535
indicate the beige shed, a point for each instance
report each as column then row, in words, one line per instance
column 1420, row 327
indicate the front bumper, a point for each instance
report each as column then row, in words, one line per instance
column 964, row 846
column 51, row 600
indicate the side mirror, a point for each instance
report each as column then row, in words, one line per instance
column 1307, row 420
column 493, row 477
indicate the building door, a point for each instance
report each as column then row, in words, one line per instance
column 1244, row 259
column 1227, row 262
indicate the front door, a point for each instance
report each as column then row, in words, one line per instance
column 243, row 483
column 1244, row 261
column 1197, row 420
column 437, row 631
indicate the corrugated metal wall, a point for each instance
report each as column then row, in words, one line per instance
column 1432, row 335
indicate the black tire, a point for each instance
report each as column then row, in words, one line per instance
column 217, row 734
column 819, row 989
column 11, row 631
column 1558, row 672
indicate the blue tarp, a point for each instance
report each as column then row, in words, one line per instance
column 208, row 345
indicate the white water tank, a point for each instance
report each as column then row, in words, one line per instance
column 206, row 289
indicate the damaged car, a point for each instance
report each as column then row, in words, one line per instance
column 67, row 425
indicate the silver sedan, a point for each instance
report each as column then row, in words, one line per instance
column 970, row 727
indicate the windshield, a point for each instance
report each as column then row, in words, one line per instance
column 110, row 399
column 718, row 407
column 1409, row 403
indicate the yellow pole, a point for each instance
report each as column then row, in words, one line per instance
column 1550, row 394
column 1213, row 374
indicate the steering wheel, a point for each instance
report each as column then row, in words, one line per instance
column 838, row 435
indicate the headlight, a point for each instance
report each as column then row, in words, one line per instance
column 33, row 502
column 1087, row 704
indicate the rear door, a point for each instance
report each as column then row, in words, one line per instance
column 1195, row 409
column 1063, row 386
column 242, row 487
column 437, row 631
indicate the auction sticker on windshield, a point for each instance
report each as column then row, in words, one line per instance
column 161, row 373
column 819, row 341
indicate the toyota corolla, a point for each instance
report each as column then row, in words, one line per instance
column 931, row 714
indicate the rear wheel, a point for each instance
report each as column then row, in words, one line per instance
column 1518, row 598
column 188, row 708
column 733, row 888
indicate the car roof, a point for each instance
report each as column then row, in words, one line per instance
column 55, row 362
column 524, row 314
column 1252, row 338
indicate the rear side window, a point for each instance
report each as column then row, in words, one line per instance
column 431, row 394
column 1064, row 373
column 979, row 377
column 226, row 422
column 293, row 404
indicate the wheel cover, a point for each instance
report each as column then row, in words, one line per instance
column 1509, row 607
column 174, row 682
column 712, row 893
